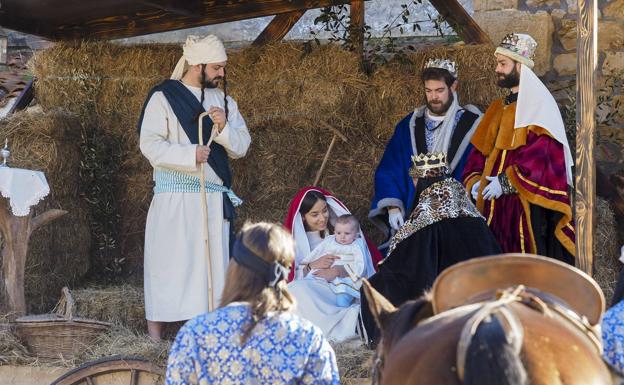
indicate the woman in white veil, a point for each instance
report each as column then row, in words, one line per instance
column 310, row 219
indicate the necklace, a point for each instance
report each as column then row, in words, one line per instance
column 434, row 128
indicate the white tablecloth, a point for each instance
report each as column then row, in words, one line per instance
column 23, row 188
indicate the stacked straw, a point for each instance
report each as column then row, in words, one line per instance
column 58, row 252
column 606, row 250
column 293, row 101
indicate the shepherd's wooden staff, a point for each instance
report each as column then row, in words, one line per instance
column 337, row 134
column 204, row 204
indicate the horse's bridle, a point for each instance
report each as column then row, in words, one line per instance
column 519, row 294
column 378, row 363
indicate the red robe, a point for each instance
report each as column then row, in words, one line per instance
column 535, row 165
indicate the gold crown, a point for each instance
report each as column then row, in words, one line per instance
column 429, row 161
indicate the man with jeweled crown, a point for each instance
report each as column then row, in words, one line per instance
column 444, row 228
column 441, row 125
column 520, row 169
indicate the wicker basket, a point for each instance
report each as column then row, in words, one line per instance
column 58, row 334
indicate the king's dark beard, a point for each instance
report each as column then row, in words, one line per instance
column 441, row 109
column 509, row 80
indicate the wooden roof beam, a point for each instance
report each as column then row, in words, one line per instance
column 461, row 22
column 157, row 19
column 190, row 8
column 279, row 27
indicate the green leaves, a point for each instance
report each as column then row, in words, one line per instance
column 377, row 49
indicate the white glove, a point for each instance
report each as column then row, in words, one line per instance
column 395, row 219
column 475, row 190
column 493, row 190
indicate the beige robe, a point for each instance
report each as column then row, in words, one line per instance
column 175, row 266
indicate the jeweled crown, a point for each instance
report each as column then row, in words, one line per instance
column 445, row 64
column 520, row 47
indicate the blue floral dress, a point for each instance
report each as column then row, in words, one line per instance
column 613, row 336
column 282, row 349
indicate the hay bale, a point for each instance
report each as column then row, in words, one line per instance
column 12, row 351
column 291, row 99
column 58, row 252
column 291, row 113
column 108, row 92
column 88, row 78
column 606, row 249
column 120, row 305
column 286, row 85
column 126, row 342
column 354, row 361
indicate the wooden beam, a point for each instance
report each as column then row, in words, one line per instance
column 279, row 27
column 586, row 132
column 178, row 7
column 145, row 20
column 356, row 28
column 461, row 22
column 24, row 98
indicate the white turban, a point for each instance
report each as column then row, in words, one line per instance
column 199, row 50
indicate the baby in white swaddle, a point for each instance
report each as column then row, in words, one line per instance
column 342, row 244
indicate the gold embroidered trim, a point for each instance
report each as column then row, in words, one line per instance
column 530, row 182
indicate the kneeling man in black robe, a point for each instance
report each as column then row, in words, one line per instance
column 444, row 228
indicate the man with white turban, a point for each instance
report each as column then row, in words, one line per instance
column 176, row 266
column 520, row 169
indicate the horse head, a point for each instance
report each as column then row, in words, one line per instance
column 482, row 325
column 393, row 322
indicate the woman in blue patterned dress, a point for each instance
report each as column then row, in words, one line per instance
column 253, row 338
column 613, row 337
column 613, row 328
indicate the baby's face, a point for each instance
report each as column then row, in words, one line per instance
column 345, row 233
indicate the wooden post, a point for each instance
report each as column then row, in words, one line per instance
column 356, row 28
column 15, row 233
column 279, row 27
column 462, row 23
column 585, row 132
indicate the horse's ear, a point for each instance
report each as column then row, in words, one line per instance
column 379, row 306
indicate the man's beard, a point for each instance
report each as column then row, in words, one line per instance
column 212, row 83
column 509, row 80
column 441, row 109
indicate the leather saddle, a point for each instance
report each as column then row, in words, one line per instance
column 475, row 280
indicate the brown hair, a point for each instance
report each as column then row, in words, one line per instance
column 272, row 243
column 349, row 219
column 440, row 74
